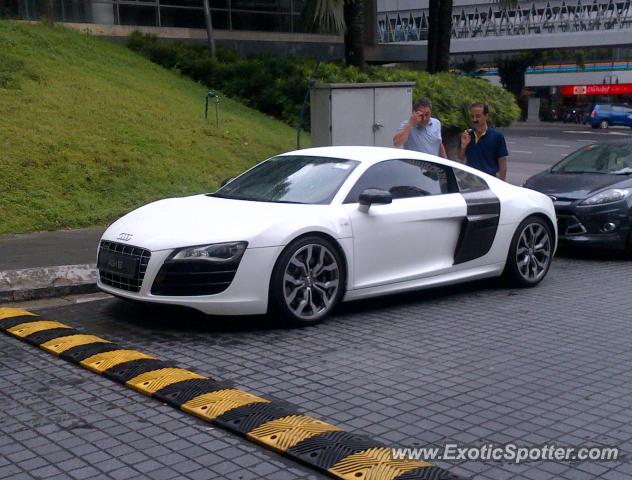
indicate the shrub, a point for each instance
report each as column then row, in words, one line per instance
column 277, row 85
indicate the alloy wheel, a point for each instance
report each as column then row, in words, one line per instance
column 533, row 252
column 311, row 281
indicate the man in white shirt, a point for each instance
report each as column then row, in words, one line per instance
column 421, row 132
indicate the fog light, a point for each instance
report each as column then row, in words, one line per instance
column 609, row 227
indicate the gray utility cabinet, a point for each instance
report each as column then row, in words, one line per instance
column 359, row 113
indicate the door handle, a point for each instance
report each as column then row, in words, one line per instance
column 377, row 126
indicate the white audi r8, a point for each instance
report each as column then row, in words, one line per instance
column 300, row 232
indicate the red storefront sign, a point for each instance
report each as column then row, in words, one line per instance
column 599, row 89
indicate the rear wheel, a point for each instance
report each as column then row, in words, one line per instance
column 530, row 253
column 307, row 281
column 604, row 124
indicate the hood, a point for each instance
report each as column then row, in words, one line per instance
column 575, row 186
column 200, row 220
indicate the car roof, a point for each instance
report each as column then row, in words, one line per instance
column 370, row 155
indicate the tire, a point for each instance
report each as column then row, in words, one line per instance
column 308, row 281
column 604, row 124
column 530, row 253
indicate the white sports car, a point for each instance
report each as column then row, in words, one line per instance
column 300, row 232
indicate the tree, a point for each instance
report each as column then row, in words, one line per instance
column 439, row 35
column 343, row 16
column 210, row 35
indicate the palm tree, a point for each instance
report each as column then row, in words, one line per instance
column 344, row 16
column 210, row 34
column 440, row 33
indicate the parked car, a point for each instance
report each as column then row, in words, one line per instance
column 592, row 193
column 300, row 232
column 604, row 115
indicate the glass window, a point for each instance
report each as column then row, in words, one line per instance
column 468, row 182
column 403, row 178
column 598, row 158
column 290, row 179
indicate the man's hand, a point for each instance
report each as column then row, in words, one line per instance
column 465, row 139
column 415, row 118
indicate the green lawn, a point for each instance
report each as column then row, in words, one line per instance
column 90, row 130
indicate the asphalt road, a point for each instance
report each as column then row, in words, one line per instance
column 534, row 149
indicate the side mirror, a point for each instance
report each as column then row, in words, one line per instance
column 374, row 195
column 226, row 180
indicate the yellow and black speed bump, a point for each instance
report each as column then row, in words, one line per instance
column 180, row 393
column 273, row 424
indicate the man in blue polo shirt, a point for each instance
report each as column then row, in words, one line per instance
column 421, row 132
column 482, row 147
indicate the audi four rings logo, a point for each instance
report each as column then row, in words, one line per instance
column 125, row 237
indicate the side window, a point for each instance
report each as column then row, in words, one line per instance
column 468, row 182
column 404, row 179
column 618, row 109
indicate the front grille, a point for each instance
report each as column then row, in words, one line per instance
column 569, row 225
column 121, row 282
column 193, row 278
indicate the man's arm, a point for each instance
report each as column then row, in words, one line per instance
column 503, row 154
column 502, row 168
column 442, row 152
column 401, row 136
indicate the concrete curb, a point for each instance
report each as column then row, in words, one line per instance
column 47, row 282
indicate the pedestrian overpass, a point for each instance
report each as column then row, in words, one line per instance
column 480, row 27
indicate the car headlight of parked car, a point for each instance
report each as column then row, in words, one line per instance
column 216, row 253
column 609, row 196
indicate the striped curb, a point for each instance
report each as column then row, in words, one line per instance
column 273, row 424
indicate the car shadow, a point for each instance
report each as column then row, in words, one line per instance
column 592, row 253
column 177, row 318
column 417, row 296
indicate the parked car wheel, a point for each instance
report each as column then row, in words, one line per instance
column 530, row 253
column 308, row 281
column 604, row 124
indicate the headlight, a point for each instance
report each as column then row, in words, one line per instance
column 217, row 252
column 609, row 196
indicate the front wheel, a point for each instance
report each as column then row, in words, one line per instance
column 530, row 253
column 307, row 281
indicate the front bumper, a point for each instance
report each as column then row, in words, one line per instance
column 605, row 226
column 247, row 294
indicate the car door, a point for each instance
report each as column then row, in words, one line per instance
column 414, row 236
column 619, row 115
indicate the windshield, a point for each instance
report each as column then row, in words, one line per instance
column 290, row 179
column 598, row 158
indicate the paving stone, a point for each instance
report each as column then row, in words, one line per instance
column 463, row 364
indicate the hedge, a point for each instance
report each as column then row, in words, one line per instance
column 277, row 85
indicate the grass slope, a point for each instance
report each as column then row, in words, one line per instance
column 90, row 130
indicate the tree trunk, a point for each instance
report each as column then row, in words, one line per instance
column 354, row 33
column 47, row 11
column 444, row 35
column 210, row 36
column 433, row 35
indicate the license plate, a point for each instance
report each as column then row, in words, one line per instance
column 119, row 264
